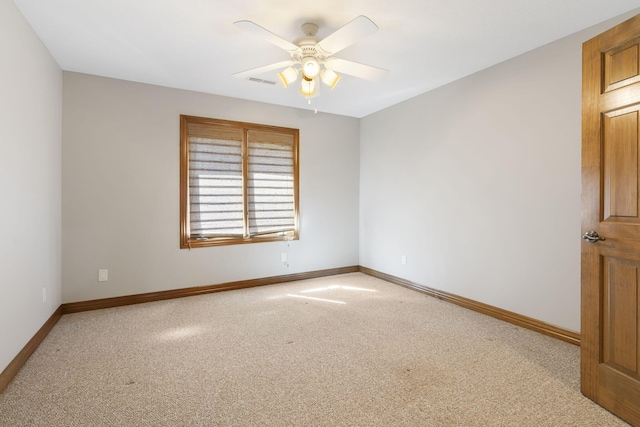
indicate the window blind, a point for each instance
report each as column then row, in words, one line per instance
column 271, row 203
column 215, row 182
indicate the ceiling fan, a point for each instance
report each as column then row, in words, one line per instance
column 313, row 58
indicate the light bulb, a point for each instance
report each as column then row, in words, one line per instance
column 310, row 67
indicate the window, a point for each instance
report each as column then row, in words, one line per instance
column 238, row 182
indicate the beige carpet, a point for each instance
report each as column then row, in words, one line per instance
column 362, row 352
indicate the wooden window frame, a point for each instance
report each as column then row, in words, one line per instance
column 186, row 242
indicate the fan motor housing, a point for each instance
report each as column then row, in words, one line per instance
column 307, row 45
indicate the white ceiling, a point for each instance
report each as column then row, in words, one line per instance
column 193, row 44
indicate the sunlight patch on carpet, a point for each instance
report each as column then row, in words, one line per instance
column 316, row 299
column 176, row 334
column 332, row 287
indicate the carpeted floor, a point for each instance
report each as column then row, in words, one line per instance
column 348, row 350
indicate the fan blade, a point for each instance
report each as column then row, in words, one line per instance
column 350, row 33
column 356, row 69
column 275, row 39
column 263, row 69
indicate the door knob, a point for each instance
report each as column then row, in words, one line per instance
column 591, row 236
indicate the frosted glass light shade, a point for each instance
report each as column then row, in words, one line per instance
column 308, row 87
column 288, row 76
column 310, row 67
column 329, row 78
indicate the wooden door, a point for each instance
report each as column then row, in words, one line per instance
column 610, row 336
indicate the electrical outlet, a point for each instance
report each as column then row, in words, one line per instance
column 103, row 275
column 44, row 294
column 404, row 259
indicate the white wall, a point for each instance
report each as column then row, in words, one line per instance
column 30, row 153
column 121, row 191
column 478, row 184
